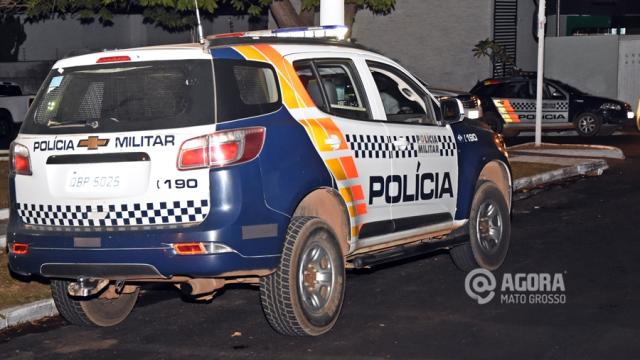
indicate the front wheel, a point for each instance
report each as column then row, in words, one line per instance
column 93, row 311
column 588, row 124
column 489, row 231
column 303, row 297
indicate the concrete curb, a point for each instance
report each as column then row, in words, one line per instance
column 578, row 150
column 595, row 167
column 24, row 313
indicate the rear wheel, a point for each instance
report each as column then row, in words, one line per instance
column 489, row 231
column 303, row 297
column 99, row 310
column 588, row 124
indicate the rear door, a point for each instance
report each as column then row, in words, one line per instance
column 515, row 103
column 104, row 140
column 352, row 145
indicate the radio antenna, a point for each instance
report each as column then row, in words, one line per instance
column 200, row 35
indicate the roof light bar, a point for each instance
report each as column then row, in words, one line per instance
column 319, row 32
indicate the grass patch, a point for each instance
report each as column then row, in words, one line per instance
column 16, row 292
column 523, row 169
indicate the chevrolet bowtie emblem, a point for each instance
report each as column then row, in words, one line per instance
column 93, row 142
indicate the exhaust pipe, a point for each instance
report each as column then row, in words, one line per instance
column 87, row 286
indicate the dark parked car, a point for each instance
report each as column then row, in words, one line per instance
column 509, row 106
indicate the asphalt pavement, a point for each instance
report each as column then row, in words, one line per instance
column 584, row 230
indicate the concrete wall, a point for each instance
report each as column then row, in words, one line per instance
column 29, row 74
column 590, row 63
column 431, row 38
column 526, row 46
column 629, row 70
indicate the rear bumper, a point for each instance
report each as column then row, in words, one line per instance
column 156, row 263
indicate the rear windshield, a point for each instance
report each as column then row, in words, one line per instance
column 124, row 97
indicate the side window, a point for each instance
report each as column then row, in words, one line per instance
column 402, row 99
column 516, row 90
column 307, row 76
column 245, row 89
column 553, row 92
column 341, row 91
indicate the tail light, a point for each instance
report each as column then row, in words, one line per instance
column 19, row 249
column 20, row 160
column 221, row 148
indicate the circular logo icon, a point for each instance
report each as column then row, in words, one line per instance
column 480, row 285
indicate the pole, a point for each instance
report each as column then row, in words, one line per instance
column 331, row 12
column 558, row 18
column 541, row 22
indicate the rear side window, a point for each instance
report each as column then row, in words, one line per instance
column 245, row 89
column 334, row 87
column 124, row 97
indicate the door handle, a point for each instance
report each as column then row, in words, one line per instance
column 401, row 143
column 333, row 141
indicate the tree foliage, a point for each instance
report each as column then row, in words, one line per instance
column 169, row 14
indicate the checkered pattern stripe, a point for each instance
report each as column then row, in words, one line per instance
column 370, row 146
column 523, row 106
column 152, row 213
column 447, row 145
column 381, row 147
column 529, row 106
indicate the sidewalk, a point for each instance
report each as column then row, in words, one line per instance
column 561, row 162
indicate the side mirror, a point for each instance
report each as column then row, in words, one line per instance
column 452, row 110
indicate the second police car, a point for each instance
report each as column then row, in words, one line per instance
column 509, row 106
column 253, row 159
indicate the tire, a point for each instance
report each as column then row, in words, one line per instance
column 288, row 296
column 484, row 250
column 92, row 311
column 494, row 121
column 588, row 124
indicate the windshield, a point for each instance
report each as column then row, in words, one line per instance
column 124, row 97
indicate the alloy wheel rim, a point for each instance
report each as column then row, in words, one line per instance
column 316, row 277
column 587, row 124
column 489, row 226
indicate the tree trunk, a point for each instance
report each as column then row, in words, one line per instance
column 350, row 17
column 285, row 14
column 308, row 17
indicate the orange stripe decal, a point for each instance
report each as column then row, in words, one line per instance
column 512, row 113
column 346, row 194
column 361, row 209
column 358, row 194
column 336, row 169
column 349, row 166
column 331, row 129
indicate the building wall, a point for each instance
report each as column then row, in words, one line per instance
column 589, row 63
column 527, row 47
column 431, row 38
column 55, row 38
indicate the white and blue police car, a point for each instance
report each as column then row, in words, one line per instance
column 277, row 158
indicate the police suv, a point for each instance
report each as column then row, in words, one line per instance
column 509, row 106
column 262, row 158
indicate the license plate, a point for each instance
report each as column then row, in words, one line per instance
column 95, row 182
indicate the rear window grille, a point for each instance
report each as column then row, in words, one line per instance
column 125, row 97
